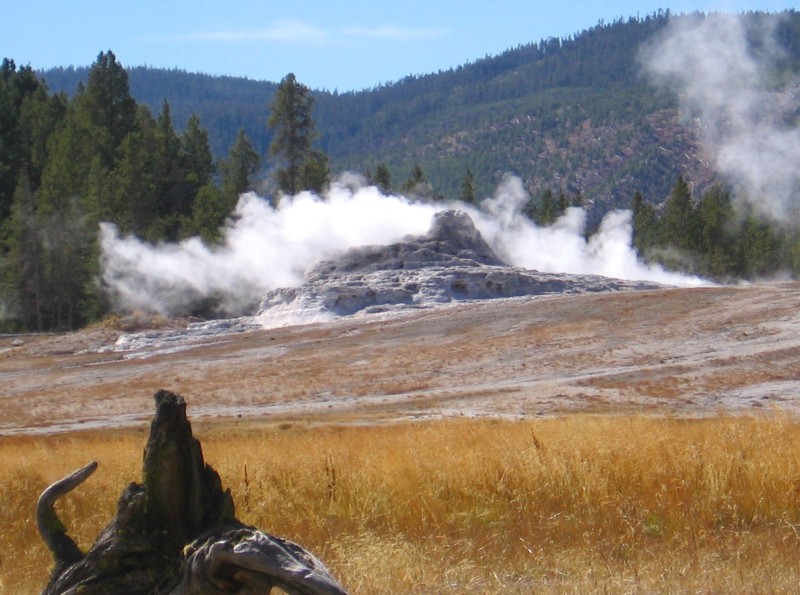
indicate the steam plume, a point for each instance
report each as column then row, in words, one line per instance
column 267, row 247
column 730, row 75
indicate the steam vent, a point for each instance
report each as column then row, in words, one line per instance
column 451, row 262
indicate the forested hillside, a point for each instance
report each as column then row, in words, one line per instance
column 573, row 114
column 66, row 165
column 164, row 155
column 568, row 114
column 223, row 104
column 559, row 113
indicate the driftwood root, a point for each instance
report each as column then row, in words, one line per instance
column 175, row 533
column 65, row 551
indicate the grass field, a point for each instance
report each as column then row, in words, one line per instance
column 583, row 504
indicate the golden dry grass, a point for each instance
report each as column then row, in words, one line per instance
column 573, row 504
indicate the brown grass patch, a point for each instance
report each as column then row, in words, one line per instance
column 573, row 504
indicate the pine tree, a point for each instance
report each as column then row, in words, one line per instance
column 294, row 133
column 315, row 173
column 212, row 205
column 760, row 247
column 22, row 270
column 196, row 156
column 417, row 184
column 71, row 263
column 716, row 217
column 28, row 116
column 172, row 189
column 679, row 222
column 8, row 139
column 239, row 168
column 645, row 225
column 468, row 188
column 40, row 116
column 108, row 104
column 544, row 211
column 72, row 152
column 100, row 157
column 562, row 203
column 208, row 214
column 135, row 206
column 382, row 178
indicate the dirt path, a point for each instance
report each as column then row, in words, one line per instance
column 687, row 352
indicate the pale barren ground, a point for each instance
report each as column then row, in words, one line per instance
column 687, row 352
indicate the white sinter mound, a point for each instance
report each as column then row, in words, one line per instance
column 451, row 262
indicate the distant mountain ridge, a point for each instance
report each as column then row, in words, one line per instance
column 570, row 114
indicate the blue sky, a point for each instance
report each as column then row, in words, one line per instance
column 347, row 45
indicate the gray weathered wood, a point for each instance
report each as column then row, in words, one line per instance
column 64, row 549
column 176, row 532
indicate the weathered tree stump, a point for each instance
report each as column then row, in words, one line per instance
column 176, row 532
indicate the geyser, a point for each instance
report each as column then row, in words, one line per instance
column 452, row 262
column 266, row 248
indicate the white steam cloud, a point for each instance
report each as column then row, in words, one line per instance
column 562, row 247
column 727, row 71
column 730, row 77
column 268, row 247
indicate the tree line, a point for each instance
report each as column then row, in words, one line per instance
column 68, row 164
column 708, row 235
column 507, row 112
column 576, row 110
column 711, row 237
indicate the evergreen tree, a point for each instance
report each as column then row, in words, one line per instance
column 793, row 251
column 22, row 271
column 8, row 139
column 196, row 156
column 543, row 211
column 294, row 133
column 239, row 168
column 63, row 213
column 716, row 216
column 27, row 118
column 172, row 188
column 645, row 226
column 100, row 157
column 108, row 104
column 468, row 188
column 417, row 184
column 208, row 214
column 382, row 178
column 679, row 223
column 52, row 262
column 71, row 154
column 213, row 205
column 562, row 203
column 315, row 173
column 70, row 265
column 40, row 116
column 760, row 247
column 134, row 201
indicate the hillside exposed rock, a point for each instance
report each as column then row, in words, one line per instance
column 450, row 263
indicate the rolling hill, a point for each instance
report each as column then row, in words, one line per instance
column 573, row 114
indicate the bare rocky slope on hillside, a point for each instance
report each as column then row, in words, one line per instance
column 686, row 352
